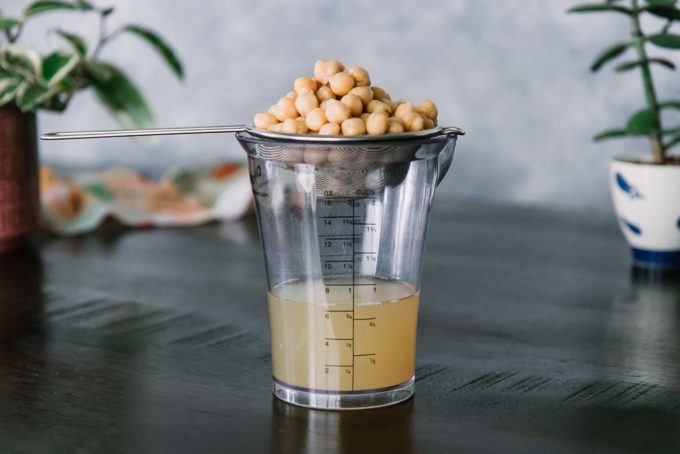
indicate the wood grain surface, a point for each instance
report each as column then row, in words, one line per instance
column 535, row 335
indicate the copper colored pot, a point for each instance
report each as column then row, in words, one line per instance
column 19, row 201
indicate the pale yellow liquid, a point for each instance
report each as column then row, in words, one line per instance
column 321, row 341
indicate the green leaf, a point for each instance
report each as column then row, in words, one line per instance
column 8, row 89
column 46, row 5
column 7, row 23
column 106, row 11
column 84, row 5
column 641, row 123
column 670, row 105
column 610, row 134
column 674, row 142
column 667, row 12
column 159, row 45
column 661, row 2
column 608, row 54
column 30, row 96
column 599, row 7
column 99, row 71
column 663, row 62
column 23, row 62
column 68, row 84
column 628, row 65
column 119, row 95
column 78, row 43
column 666, row 40
column 57, row 66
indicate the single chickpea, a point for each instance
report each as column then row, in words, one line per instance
column 290, row 126
column 324, row 93
column 341, row 83
column 395, row 120
column 292, row 95
column 349, row 67
column 429, row 124
column 330, row 129
column 275, row 127
column 376, row 124
column 264, row 120
column 364, row 93
column 323, row 70
column 285, row 108
column 413, row 121
column 316, row 156
column 316, row 119
column 306, row 102
column 320, row 71
column 380, row 94
column 303, row 84
column 353, row 127
column 360, row 75
column 378, row 106
column 339, row 155
column 301, row 125
column 337, row 112
column 324, row 104
column 404, row 108
column 354, row 104
column 394, row 128
column 335, row 65
column 428, row 109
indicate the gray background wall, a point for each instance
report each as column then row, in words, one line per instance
column 513, row 73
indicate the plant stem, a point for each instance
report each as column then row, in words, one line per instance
column 102, row 37
column 655, row 136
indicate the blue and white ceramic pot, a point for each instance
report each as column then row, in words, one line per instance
column 647, row 201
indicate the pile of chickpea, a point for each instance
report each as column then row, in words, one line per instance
column 339, row 100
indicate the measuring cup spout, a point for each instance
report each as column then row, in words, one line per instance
column 445, row 159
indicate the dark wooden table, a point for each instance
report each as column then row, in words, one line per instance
column 535, row 335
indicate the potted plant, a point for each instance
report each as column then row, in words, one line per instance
column 30, row 81
column 646, row 191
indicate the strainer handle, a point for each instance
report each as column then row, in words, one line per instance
column 141, row 132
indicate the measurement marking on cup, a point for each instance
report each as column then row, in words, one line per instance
column 353, row 198
column 348, row 250
column 353, row 291
column 335, row 217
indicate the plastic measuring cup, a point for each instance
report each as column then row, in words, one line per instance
column 343, row 223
